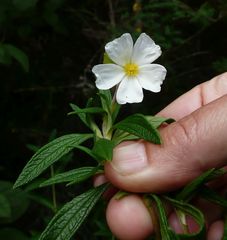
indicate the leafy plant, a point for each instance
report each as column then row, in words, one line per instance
column 112, row 132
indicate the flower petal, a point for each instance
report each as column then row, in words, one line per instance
column 108, row 75
column 145, row 50
column 120, row 49
column 129, row 91
column 151, row 76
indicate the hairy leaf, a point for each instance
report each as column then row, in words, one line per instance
column 106, row 99
column 156, row 121
column 103, row 149
column 138, row 125
column 70, row 217
column 86, row 117
column 120, row 136
column 165, row 230
column 75, row 176
column 87, row 150
column 212, row 196
column 82, row 116
column 88, row 110
column 193, row 187
column 196, row 214
column 49, row 154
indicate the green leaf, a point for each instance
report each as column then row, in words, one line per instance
column 212, row 196
column 115, row 108
column 70, row 217
column 5, row 58
column 193, row 187
column 86, row 118
column 106, row 99
column 156, row 121
column 17, row 199
column 24, row 4
column 138, row 125
column 165, row 230
column 82, row 116
column 103, row 149
column 5, row 210
column 49, row 154
column 75, row 176
column 19, row 55
column 196, row 214
column 120, row 136
column 88, row 110
column 42, row 201
column 87, row 150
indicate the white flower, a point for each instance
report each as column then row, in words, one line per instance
column 132, row 69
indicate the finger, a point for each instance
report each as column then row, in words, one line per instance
column 128, row 218
column 190, row 146
column 216, row 231
column 196, row 98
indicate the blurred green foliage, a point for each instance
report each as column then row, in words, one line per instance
column 47, row 49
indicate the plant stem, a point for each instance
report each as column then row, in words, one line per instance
column 154, row 218
column 53, row 190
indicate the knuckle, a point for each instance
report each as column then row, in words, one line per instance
column 189, row 126
column 185, row 132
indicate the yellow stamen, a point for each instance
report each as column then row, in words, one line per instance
column 131, row 69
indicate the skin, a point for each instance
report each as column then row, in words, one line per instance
column 193, row 144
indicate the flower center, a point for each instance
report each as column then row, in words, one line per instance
column 131, row 69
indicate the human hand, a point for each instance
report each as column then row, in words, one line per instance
column 193, row 144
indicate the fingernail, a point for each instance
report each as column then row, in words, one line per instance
column 129, row 158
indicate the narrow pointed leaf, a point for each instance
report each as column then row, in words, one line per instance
column 115, row 108
column 70, row 217
column 196, row 214
column 106, row 99
column 120, row 136
column 49, row 154
column 44, row 201
column 75, row 175
column 88, row 110
column 165, row 230
column 87, row 150
column 193, row 187
column 82, row 116
column 156, row 121
column 212, row 196
column 19, row 55
column 86, row 117
column 138, row 125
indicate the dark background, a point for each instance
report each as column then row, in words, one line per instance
column 47, row 49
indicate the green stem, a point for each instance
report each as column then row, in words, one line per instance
column 108, row 120
column 53, row 190
column 154, row 218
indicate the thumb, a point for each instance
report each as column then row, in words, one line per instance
column 190, row 146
